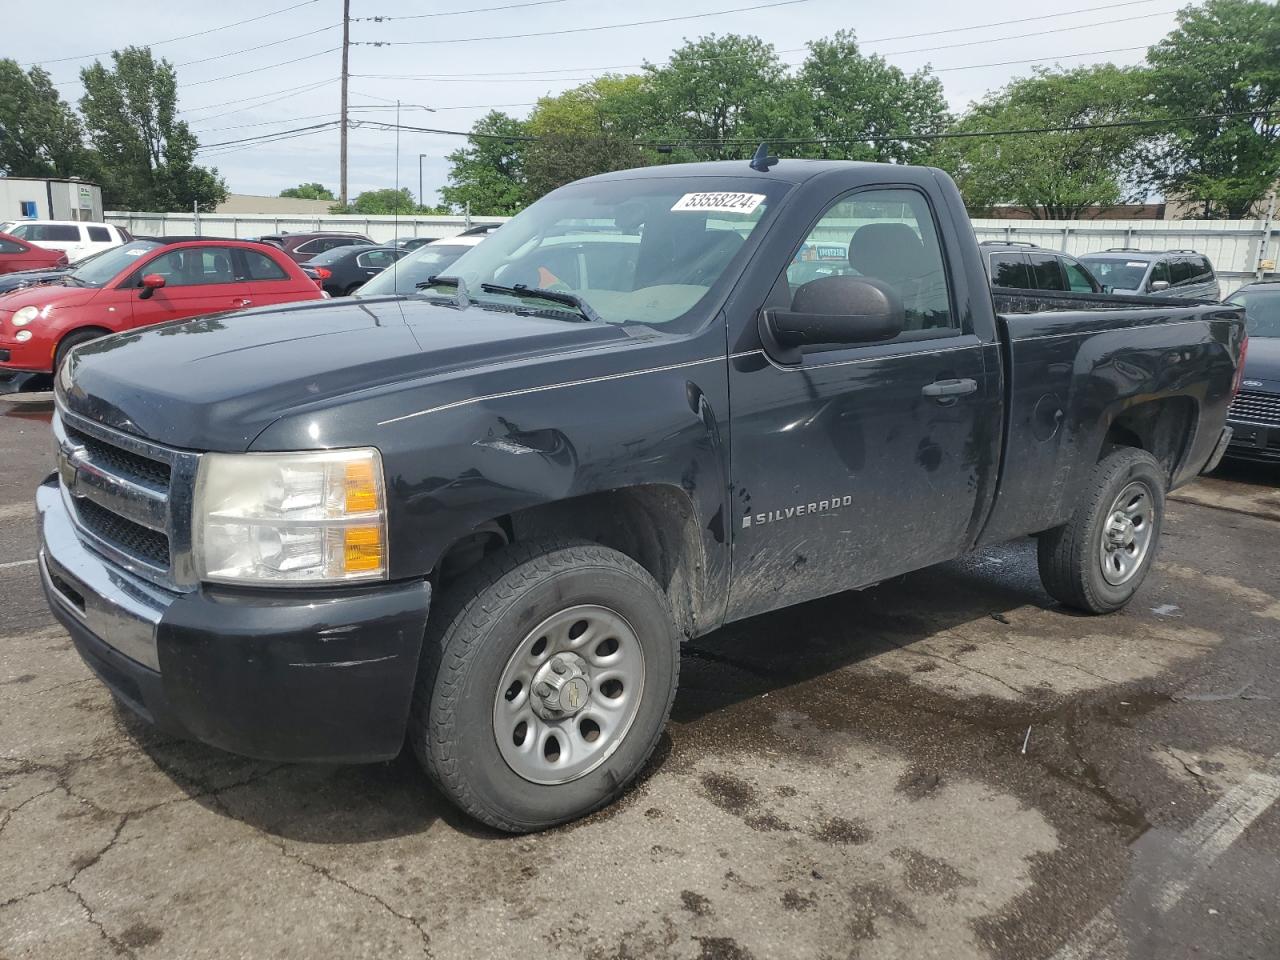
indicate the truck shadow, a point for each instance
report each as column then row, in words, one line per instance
column 330, row 804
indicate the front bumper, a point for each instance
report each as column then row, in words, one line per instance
column 1254, row 441
column 34, row 356
column 280, row 674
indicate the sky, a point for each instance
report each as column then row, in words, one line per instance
column 433, row 62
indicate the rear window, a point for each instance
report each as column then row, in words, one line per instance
column 1010, row 270
column 99, row 234
column 48, row 232
column 1047, row 272
column 258, row 266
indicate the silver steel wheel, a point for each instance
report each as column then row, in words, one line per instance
column 569, row 694
column 1126, row 533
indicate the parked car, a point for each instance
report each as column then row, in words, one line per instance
column 30, row 278
column 1255, row 412
column 138, row 284
column 410, row 243
column 77, row 239
column 16, row 255
column 583, row 446
column 419, row 266
column 1156, row 273
column 344, row 270
column 301, row 247
column 1016, row 265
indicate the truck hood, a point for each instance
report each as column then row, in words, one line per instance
column 216, row 382
column 1262, row 368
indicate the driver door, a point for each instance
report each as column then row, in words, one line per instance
column 862, row 462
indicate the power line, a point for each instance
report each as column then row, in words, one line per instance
column 904, row 36
column 188, row 36
column 455, row 13
column 270, row 66
column 608, row 26
column 1023, row 36
column 275, row 98
column 261, row 46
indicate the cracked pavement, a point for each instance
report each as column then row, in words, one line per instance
column 946, row 765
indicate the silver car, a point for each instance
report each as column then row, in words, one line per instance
column 1154, row 273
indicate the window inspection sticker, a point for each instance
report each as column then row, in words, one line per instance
column 720, row 202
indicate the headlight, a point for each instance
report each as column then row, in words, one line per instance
column 291, row 517
column 24, row 316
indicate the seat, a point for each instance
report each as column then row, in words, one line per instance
column 894, row 253
column 222, row 269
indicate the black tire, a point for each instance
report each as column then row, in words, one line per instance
column 71, row 341
column 473, row 633
column 1069, row 556
column 352, row 289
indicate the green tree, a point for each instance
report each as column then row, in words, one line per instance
column 851, row 94
column 385, row 202
column 309, row 191
column 1055, row 175
column 1223, row 57
column 145, row 154
column 40, row 135
column 726, row 88
column 488, row 173
column 588, row 130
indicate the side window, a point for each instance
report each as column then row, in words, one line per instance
column 1180, row 271
column 258, row 266
column 1160, row 271
column 9, row 246
column 99, row 234
column 376, row 259
column 1047, row 272
column 888, row 235
column 311, row 246
column 1010, row 270
column 1203, row 269
column 1077, row 278
column 193, row 267
column 53, row 233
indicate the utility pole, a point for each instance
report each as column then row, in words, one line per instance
column 346, row 50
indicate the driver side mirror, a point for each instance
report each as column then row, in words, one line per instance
column 1158, row 285
column 150, row 283
column 829, row 313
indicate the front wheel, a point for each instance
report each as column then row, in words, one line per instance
column 70, row 342
column 1097, row 560
column 548, row 674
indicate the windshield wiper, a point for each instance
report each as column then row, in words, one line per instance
column 462, row 300
column 555, row 296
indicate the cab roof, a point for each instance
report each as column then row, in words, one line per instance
column 785, row 171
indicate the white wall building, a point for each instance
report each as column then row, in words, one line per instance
column 23, row 198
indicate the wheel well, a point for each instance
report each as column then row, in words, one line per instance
column 1160, row 427
column 654, row 525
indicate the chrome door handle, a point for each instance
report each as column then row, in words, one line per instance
column 943, row 390
column 244, row 302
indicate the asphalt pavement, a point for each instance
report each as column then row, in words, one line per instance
column 947, row 765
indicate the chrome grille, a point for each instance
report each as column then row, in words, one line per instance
column 130, row 498
column 1256, row 408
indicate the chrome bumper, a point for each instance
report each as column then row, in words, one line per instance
column 120, row 609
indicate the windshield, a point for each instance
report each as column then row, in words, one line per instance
column 95, row 271
column 1117, row 274
column 645, row 250
column 418, row 267
column 1261, row 311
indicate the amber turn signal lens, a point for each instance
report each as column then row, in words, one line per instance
column 361, row 487
column 362, row 549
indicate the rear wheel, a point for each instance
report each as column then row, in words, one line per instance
column 352, row 289
column 1098, row 559
column 548, row 674
column 73, row 340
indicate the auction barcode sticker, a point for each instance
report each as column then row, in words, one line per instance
column 720, row 202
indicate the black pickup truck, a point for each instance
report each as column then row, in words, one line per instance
column 485, row 515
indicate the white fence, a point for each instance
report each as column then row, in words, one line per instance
column 247, row 225
column 1238, row 249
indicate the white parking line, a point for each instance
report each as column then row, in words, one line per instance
column 1195, row 851
column 17, row 563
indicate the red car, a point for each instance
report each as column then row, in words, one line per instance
column 18, row 255
column 138, row 284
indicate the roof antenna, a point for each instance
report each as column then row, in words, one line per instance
column 762, row 161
